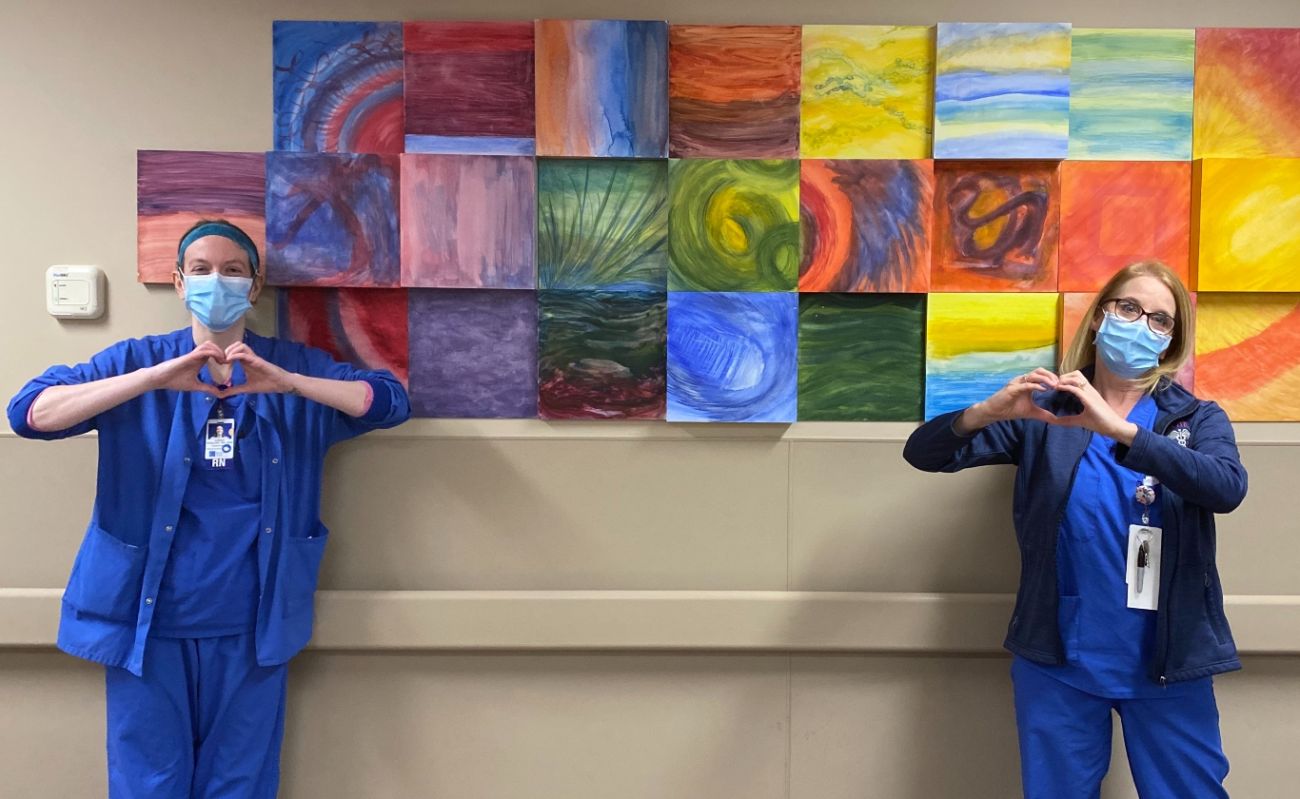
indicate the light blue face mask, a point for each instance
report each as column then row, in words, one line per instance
column 1129, row 349
column 218, row 301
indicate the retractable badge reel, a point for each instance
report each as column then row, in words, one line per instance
column 1143, row 573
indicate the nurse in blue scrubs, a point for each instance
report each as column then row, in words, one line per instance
column 1120, row 610
column 194, row 583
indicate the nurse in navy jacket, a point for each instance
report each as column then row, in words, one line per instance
column 1120, row 474
column 194, row 583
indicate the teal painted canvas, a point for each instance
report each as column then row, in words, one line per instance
column 861, row 357
column 1131, row 94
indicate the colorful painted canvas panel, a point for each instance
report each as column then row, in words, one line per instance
column 1247, row 93
column 975, row 343
column 733, row 225
column 1074, row 308
column 602, row 224
column 1114, row 213
column 470, row 88
column 331, row 220
column 861, row 357
column 733, row 91
column 364, row 327
column 1002, row 90
column 732, row 357
column 866, row 225
column 602, row 88
column 867, row 91
column 468, row 221
column 601, row 355
column 338, row 86
column 473, row 353
column 996, row 226
column 1131, row 94
column 1246, row 223
column 175, row 189
column 1248, row 355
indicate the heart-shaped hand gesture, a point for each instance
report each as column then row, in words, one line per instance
column 182, row 373
column 261, row 376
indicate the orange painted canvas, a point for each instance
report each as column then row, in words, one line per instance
column 1247, row 95
column 176, row 188
column 1114, row 213
column 996, row 226
column 733, row 91
column 1074, row 305
column 1248, row 355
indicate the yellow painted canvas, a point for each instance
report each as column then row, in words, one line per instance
column 1247, row 224
column 867, row 91
column 976, row 342
column 1248, row 355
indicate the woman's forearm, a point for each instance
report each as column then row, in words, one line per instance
column 352, row 397
column 60, row 407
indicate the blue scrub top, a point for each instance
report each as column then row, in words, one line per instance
column 210, row 585
column 1108, row 645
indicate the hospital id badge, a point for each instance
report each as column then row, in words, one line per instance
column 219, row 442
column 1143, row 575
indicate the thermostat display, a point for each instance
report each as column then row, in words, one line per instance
column 74, row 292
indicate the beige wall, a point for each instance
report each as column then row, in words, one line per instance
column 549, row 610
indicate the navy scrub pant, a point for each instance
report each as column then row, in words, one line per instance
column 1173, row 744
column 205, row 722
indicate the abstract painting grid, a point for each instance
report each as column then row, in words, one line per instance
column 825, row 181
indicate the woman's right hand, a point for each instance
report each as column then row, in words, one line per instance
column 1015, row 400
column 182, row 372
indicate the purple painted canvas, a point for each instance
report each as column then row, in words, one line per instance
column 473, row 353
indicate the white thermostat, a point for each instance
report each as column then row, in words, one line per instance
column 74, row 292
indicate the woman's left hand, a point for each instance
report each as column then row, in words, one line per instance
column 261, row 376
column 1097, row 415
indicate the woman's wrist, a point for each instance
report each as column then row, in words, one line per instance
column 973, row 418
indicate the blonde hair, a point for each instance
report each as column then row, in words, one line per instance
column 1083, row 352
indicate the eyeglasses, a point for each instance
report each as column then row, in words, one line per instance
column 1128, row 310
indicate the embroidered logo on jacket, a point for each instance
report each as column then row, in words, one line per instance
column 1181, row 432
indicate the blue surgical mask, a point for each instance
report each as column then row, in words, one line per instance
column 218, row 301
column 1129, row 349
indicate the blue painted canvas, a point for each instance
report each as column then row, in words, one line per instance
column 1002, row 90
column 338, row 86
column 602, row 88
column 331, row 220
column 732, row 357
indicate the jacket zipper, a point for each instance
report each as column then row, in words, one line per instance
column 1173, row 566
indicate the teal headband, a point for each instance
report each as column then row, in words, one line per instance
column 218, row 228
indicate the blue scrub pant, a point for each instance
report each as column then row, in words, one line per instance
column 205, row 722
column 1173, row 744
